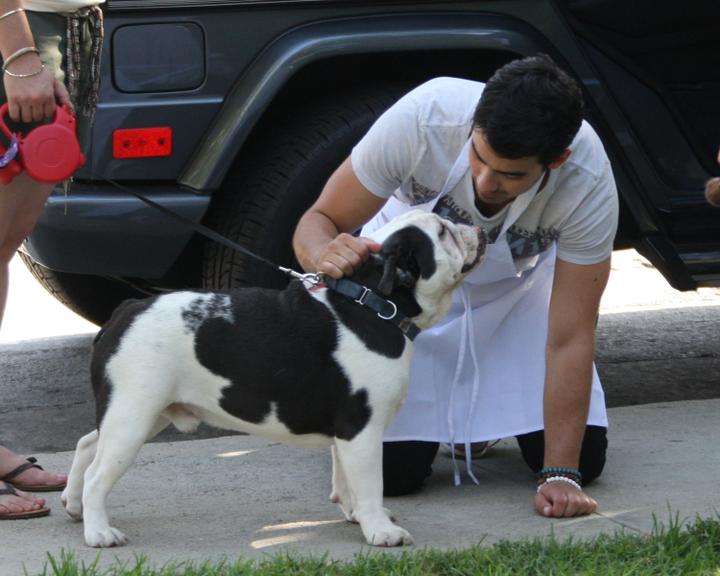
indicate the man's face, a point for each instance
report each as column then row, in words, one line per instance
column 498, row 181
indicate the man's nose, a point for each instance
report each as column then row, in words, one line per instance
column 485, row 181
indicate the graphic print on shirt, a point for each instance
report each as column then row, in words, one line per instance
column 421, row 194
column 523, row 243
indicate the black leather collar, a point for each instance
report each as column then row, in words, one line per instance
column 385, row 309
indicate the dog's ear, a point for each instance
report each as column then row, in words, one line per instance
column 387, row 282
column 409, row 254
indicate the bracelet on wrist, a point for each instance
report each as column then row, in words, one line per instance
column 564, row 479
column 28, row 75
column 17, row 54
column 11, row 12
column 558, row 471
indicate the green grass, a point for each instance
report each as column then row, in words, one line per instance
column 682, row 550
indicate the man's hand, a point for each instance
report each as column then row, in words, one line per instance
column 561, row 500
column 322, row 240
column 344, row 255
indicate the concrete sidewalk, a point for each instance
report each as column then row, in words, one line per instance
column 231, row 496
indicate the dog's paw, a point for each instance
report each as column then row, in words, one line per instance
column 73, row 506
column 392, row 536
column 105, row 537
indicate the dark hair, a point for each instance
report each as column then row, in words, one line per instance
column 530, row 107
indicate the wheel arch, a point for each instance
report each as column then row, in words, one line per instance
column 348, row 51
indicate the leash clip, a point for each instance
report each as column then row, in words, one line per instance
column 310, row 277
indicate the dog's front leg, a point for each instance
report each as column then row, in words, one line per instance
column 340, row 492
column 361, row 462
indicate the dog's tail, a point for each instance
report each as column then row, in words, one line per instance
column 124, row 305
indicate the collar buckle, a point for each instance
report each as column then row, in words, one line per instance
column 361, row 299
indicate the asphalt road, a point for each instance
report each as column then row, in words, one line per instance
column 653, row 345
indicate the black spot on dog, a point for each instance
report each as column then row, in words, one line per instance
column 209, row 305
column 406, row 256
column 413, row 250
column 277, row 353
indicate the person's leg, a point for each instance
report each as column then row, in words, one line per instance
column 592, row 453
column 406, row 465
column 21, row 202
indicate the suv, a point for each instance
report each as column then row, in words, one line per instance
column 245, row 107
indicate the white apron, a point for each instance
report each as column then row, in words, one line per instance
column 486, row 358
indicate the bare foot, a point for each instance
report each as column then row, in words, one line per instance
column 32, row 478
column 19, row 502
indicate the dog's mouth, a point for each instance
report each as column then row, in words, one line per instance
column 481, row 247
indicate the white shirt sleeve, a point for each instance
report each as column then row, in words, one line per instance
column 388, row 154
column 588, row 235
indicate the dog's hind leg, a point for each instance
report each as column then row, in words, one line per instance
column 123, row 431
column 361, row 461
column 71, row 497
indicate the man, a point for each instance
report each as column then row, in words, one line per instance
column 514, row 357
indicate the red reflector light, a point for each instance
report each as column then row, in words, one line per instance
column 142, row 142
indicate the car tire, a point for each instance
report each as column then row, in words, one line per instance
column 92, row 297
column 269, row 189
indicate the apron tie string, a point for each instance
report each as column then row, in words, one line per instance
column 456, row 378
column 467, row 337
column 476, row 382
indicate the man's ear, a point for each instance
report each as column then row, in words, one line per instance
column 560, row 160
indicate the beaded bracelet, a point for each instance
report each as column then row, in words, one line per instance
column 559, row 479
column 554, row 471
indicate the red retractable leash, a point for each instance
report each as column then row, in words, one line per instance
column 49, row 153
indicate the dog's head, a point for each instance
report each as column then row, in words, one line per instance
column 427, row 256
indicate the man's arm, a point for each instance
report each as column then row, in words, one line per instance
column 574, row 304
column 323, row 240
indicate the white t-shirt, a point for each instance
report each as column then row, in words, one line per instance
column 411, row 148
column 61, row 6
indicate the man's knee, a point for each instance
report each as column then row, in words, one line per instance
column 592, row 454
column 406, row 465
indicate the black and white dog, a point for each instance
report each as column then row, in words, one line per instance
column 306, row 367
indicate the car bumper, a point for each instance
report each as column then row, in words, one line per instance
column 98, row 229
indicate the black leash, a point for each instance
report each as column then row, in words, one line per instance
column 219, row 238
column 385, row 309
